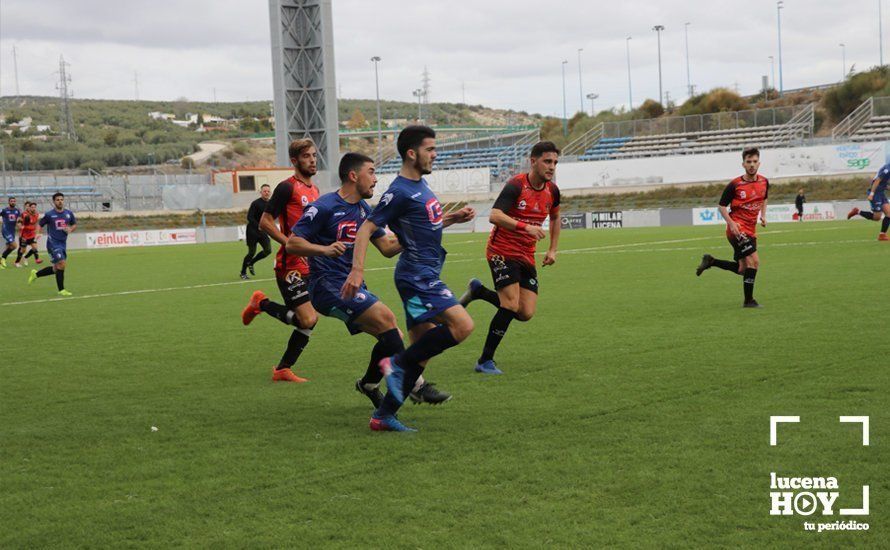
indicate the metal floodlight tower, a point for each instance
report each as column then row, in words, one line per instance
column 303, row 78
column 658, row 29
column 591, row 97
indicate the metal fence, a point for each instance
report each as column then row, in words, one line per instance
column 729, row 120
column 97, row 192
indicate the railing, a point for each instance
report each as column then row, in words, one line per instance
column 854, row 120
column 585, row 141
column 517, row 154
column 800, row 126
column 692, row 124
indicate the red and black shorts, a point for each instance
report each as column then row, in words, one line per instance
column 505, row 272
column 294, row 289
column 25, row 241
column 743, row 246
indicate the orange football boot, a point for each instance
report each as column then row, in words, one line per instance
column 883, row 237
column 253, row 307
column 286, row 375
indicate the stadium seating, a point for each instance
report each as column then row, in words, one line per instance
column 84, row 197
column 497, row 158
column 876, row 129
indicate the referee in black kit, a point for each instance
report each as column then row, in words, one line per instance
column 254, row 235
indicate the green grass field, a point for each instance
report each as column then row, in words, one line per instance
column 634, row 410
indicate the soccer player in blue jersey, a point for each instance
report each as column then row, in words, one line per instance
column 10, row 216
column 59, row 223
column 325, row 234
column 436, row 321
column 877, row 198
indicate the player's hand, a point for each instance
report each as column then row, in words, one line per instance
column 535, row 231
column 465, row 214
column 871, row 195
column 549, row 258
column 734, row 229
column 335, row 250
column 352, row 285
column 763, row 222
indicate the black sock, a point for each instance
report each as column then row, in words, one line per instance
column 259, row 257
column 60, row 279
column 496, row 331
column 46, row 271
column 489, row 296
column 295, row 345
column 748, row 283
column 431, row 344
column 727, row 265
column 867, row 215
column 885, row 224
column 245, row 262
column 36, row 254
column 7, row 252
column 18, row 256
column 388, row 343
column 278, row 311
column 30, row 253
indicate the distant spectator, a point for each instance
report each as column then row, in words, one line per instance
column 798, row 203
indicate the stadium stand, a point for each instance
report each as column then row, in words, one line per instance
column 695, row 134
column 868, row 122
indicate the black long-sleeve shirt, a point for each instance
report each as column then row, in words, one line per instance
column 255, row 212
column 799, row 200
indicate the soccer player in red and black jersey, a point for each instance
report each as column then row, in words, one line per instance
column 28, row 235
column 518, row 214
column 289, row 199
column 745, row 198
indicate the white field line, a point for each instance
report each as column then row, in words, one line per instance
column 590, row 250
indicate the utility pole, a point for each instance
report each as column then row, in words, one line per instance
column 630, row 95
column 772, row 67
column 376, row 60
column 688, row 79
column 565, row 120
column 418, row 93
column 426, row 85
column 463, row 92
column 843, row 60
column 880, row 35
column 779, row 5
column 580, row 83
column 65, row 120
column 658, row 29
column 136, row 84
column 591, row 97
column 15, row 68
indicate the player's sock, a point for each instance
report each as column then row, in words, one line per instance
column 748, row 283
column 727, row 265
column 278, row 311
column 46, row 271
column 18, row 257
column 60, row 279
column 489, row 296
column 36, row 254
column 7, row 252
column 867, row 215
column 245, row 262
column 30, row 253
column 885, row 224
column 496, row 331
column 388, row 344
column 431, row 344
column 259, row 257
column 295, row 346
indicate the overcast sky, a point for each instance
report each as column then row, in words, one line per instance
column 507, row 53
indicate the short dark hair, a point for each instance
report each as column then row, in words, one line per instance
column 265, row 185
column 10, row 198
column 58, row 194
column 351, row 162
column 297, row 146
column 411, row 138
column 750, row 151
column 544, row 147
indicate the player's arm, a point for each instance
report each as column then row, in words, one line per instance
column 72, row 226
column 725, row 201
column 763, row 206
column 307, row 228
column 874, row 186
column 505, row 201
column 463, row 215
column 555, row 228
column 387, row 245
column 276, row 206
column 359, row 251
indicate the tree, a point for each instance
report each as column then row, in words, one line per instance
column 110, row 137
column 651, row 109
column 357, row 120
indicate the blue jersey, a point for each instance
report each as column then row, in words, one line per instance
column 328, row 220
column 883, row 176
column 10, row 217
column 413, row 213
column 56, row 221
